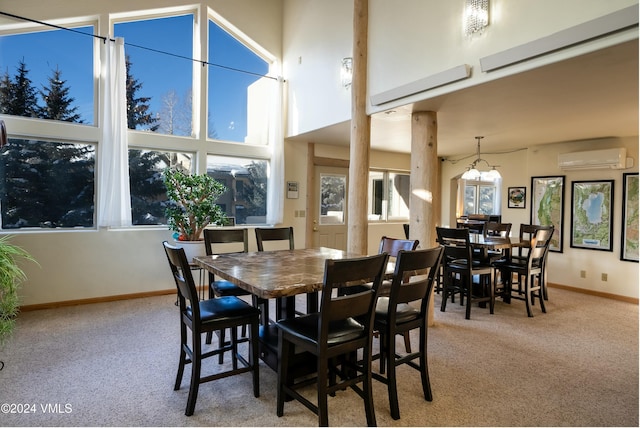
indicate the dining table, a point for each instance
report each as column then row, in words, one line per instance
column 279, row 275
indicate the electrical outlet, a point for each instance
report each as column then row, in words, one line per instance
column 604, row 276
column 303, row 213
column 583, row 274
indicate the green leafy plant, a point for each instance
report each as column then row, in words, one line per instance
column 192, row 203
column 11, row 277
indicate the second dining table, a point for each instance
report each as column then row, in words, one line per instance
column 280, row 275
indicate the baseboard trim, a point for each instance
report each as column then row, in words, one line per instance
column 115, row 298
column 104, row 299
column 595, row 293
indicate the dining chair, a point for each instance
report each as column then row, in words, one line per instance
column 496, row 229
column 406, row 309
column 530, row 272
column 334, row 335
column 392, row 246
column 270, row 238
column 526, row 233
column 225, row 241
column 203, row 316
column 459, row 269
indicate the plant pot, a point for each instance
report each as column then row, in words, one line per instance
column 192, row 248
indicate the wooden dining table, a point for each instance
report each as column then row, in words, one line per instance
column 280, row 275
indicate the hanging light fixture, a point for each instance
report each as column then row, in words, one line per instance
column 472, row 173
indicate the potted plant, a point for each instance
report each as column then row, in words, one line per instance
column 192, row 205
column 11, row 276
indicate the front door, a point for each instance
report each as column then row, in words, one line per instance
column 330, row 216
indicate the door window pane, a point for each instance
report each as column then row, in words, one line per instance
column 246, row 181
column 399, row 195
column 332, row 198
column 46, row 184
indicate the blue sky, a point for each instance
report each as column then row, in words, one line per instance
column 159, row 73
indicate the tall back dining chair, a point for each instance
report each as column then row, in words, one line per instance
column 392, row 246
column 225, row 241
column 530, row 272
column 204, row 316
column 459, row 269
column 406, row 309
column 495, row 229
column 278, row 238
column 335, row 335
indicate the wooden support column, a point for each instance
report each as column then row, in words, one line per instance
column 425, row 182
column 357, row 226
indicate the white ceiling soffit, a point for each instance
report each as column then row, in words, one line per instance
column 435, row 80
column 616, row 21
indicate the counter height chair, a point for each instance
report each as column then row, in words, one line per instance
column 282, row 238
column 530, row 272
column 334, row 336
column 203, row 316
column 459, row 268
column 405, row 309
column 225, row 241
column 496, row 229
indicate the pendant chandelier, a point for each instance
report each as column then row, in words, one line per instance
column 472, row 173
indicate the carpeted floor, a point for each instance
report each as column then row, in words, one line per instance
column 113, row 364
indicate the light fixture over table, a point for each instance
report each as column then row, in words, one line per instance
column 472, row 173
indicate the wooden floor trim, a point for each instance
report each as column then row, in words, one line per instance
column 595, row 293
column 173, row 291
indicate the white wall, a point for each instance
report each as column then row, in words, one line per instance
column 564, row 268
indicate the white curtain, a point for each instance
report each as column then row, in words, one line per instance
column 275, row 182
column 114, row 200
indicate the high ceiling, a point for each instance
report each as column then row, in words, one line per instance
column 588, row 97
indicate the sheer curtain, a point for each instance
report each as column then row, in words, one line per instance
column 114, row 200
column 275, row 182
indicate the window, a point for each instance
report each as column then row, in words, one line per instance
column 389, row 194
column 148, row 193
column 479, row 197
column 238, row 94
column 333, row 193
column 47, row 184
column 246, row 180
column 48, row 75
column 159, row 85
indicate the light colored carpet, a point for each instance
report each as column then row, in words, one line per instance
column 114, row 364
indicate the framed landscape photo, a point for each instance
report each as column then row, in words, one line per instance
column 517, row 197
column 591, row 214
column 629, row 247
column 547, row 206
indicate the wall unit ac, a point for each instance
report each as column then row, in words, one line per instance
column 596, row 159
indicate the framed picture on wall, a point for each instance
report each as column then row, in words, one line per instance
column 629, row 247
column 517, row 197
column 591, row 214
column 547, row 206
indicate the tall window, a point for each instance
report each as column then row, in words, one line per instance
column 48, row 75
column 389, row 194
column 246, row 181
column 238, row 94
column 159, row 73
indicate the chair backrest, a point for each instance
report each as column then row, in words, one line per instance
column 274, row 234
column 456, row 244
column 413, row 279
column 391, row 246
column 184, row 280
column 539, row 246
column 360, row 304
column 492, row 228
column 222, row 241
